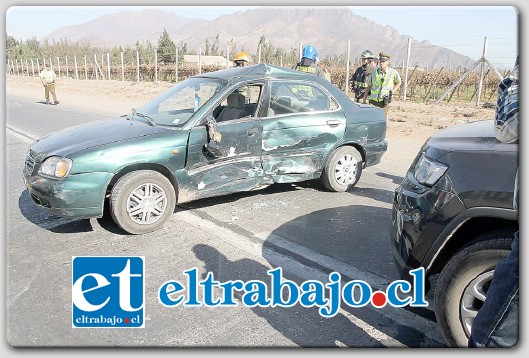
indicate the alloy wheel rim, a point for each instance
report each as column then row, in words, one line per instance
column 473, row 297
column 345, row 171
column 146, row 204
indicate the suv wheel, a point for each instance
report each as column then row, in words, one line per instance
column 142, row 201
column 463, row 284
column 343, row 169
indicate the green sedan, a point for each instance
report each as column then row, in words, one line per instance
column 213, row 134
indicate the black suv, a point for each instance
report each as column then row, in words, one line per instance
column 453, row 215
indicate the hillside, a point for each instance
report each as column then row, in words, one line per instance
column 327, row 28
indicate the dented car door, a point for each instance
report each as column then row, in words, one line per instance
column 232, row 163
column 304, row 122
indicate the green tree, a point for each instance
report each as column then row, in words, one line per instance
column 166, row 48
column 207, row 50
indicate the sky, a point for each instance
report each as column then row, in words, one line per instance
column 459, row 28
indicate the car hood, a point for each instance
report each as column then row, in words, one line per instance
column 71, row 140
column 469, row 137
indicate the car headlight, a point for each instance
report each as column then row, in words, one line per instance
column 428, row 171
column 56, row 167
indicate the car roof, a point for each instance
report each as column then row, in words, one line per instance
column 257, row 71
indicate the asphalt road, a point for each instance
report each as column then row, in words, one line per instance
column 302, row 228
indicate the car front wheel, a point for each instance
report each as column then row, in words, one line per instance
column 463, row 284
column 142, row 201
column 343, row 169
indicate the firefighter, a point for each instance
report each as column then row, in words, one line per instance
column 384, row 81
column 242, row 59
column 309, row 62
column 359, row 79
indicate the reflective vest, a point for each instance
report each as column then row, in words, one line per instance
column 48, row 76
column 380, row 87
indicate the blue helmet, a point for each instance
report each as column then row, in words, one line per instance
column 310, row 51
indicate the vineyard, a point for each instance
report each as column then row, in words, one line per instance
column 422, row 86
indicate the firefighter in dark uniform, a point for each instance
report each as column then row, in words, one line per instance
column 309, row 62
column 358, row 81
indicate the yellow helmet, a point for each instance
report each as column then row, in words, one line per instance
column 243, row 56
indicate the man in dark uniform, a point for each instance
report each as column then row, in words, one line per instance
column 358, row 81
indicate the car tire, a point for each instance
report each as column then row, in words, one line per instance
column 343, row 169
column 151, row 195
column 472, row 267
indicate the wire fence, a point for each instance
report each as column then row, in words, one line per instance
column 420, row 84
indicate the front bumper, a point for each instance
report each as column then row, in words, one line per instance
column 78, row 195
column 418, row 217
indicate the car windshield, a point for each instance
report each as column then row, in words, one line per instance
column 176, row 106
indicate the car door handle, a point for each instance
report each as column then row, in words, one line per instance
column 252, row 131
column 333, row 122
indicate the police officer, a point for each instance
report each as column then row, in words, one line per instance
column 358, row 80
column 383, row 82
column 309, row 62
column 242, row 59
column 47, row 77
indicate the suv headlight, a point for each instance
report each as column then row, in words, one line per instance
column 428, row 171
column 56, row 167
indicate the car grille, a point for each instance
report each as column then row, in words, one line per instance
column 29, row 165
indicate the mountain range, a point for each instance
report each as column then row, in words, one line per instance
column 327, row 28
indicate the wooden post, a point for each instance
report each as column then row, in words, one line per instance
column 482, row 71
column 259, row 54
column 300, row 51
column 95, row 67
column 85, row 68
column 108, row 65
column 66, row 59
column 59, row 66
column 347, row 67
column 199, row 60
column 122, row 68
column 138, row 65
column 155, row 66
column 406, row 70
column 176, row 67
column 32, row 68
column 76, row 68
column 453, row 85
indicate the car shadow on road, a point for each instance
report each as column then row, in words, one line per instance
column 394, row 178
column 233, row 197
column 302, row 326
column 351, row 236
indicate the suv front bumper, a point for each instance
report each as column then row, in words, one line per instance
column 417, row 219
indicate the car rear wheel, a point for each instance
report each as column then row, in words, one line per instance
column 343, row 169
column 463, row 284
column 142, row 201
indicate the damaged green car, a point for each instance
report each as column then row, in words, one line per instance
column 213, row 134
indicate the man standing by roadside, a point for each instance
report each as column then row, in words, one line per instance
column 47, row 77
column 383, row 82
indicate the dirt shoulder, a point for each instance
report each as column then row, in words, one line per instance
column 408, row 121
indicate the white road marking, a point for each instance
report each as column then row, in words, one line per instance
column 276, row 259
column 20, row 134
